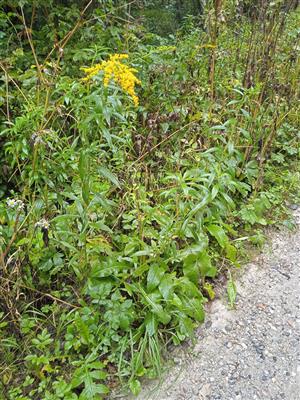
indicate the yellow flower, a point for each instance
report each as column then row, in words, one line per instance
column 115, row 70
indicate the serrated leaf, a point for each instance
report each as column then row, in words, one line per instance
column 89, row 377
column 92, row 389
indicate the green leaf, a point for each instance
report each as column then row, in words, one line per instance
column 193, row 249
column 152, row 300
column 83, row 165
column 151, row 323
column 191, row 268
column 194, row 308
column 154, row 277
column 206, row 267
column 89, row 374
column 185, row 326
column 231, row 252
column 206, row 199
column 209, row 290
column 106, row 173
column 166, row 287
column 188, row 288
column 231, row 291
column 135, row 387
column 162, row 315
column 86, row 191
column 92, row 389
column 218, row 233
column 107, row 135
column 84, row 173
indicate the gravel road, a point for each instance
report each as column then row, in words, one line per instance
column 252, row 352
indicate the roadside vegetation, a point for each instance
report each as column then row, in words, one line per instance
column 141, row 146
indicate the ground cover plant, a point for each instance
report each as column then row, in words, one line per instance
column 135, row 163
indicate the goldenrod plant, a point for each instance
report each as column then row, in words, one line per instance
column 114, row 69
column 143, row 147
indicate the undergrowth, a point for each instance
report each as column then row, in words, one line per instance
column 126, row 191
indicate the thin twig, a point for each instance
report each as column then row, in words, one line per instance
column 14, row 82
column 32, row 47
column 62, row 43
column 163, row 141
column 42, row 293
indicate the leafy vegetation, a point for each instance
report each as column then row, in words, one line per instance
column 125, row 190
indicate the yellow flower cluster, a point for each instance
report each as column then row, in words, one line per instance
column 114, row 69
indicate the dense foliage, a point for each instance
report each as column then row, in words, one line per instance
column 137, row 158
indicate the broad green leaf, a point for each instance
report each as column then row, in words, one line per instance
column 152, row 300
column 166, row 287
column 154, row 277
column 193, row 249
column 229, row 200
column 151, row 323
column 206, row 267
column 215, row 191
column 135, row 386
column 146, row 252
column 193, row 307
column 191, row 268
column 163, row 316
column 186, row 326
column 188, row 288
column 231, row 252
column 206, row 199
column 107, row 135
column 218, row 233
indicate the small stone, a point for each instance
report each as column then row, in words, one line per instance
column 293, row 206
column 208, row 324
column 177, row 360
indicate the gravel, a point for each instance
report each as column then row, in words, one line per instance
column 253, row 351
